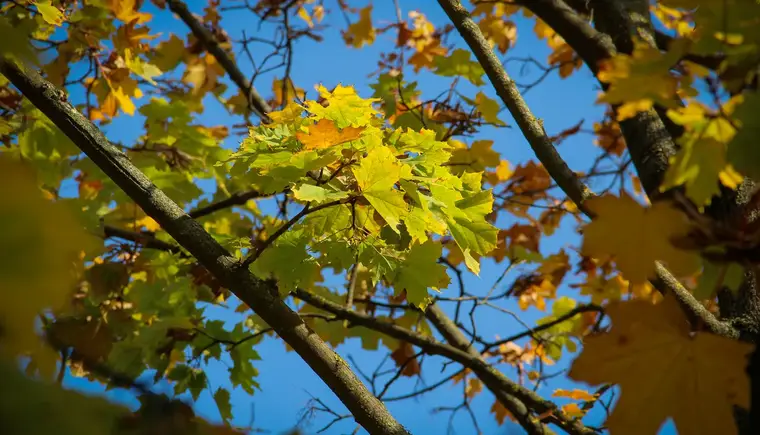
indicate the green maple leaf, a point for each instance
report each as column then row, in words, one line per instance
column 489, row 109
column 744, row 150
column 317, row 194
column 222, row 399
column 187, row 378
column 465, row 217
column 419, row 271
column 376, row 175
column 288, row 261
column 559, row 335
column 458, row 63
column 328, row 220
column 243, row 373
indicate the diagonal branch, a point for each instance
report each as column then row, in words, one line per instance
column 456, row 338
column 531, row 127
column 255, row 101
column 494, row 379
column 257, row 294
column 592, row 46
column 650, row 151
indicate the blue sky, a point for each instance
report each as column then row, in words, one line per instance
column 286, row 381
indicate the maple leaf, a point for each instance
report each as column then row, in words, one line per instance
column 51, row 14
column 575, row 394
column 376, row 175
column 646, row 238
column 309, row 192
column 420, row 271
column 126, row 11
column 404, row 356
column 489, row 109
column 427, row 55
column 460, row 64
column 499, row 32
column 361, row 32
column 500, row 412
column 665, row 370
column 717, row 276
column 286, row 87
column 324, row 134
column 168, row 54
column 638, row 81
column 344, row 107
column 701, row 162
column 475, row 158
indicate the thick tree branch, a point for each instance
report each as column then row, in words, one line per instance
column 591, row 45
column 255, row 101
column 649, row 135
column 257, row 294
column 531, row 127
column 649, row 143
column 494, row 379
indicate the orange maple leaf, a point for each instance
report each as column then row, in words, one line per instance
column 665, row 370
column 324, row 134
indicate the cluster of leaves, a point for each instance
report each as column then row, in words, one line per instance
column 372, row 196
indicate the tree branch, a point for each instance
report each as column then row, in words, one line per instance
column 255, row 102
column 456, row 338
column 592, row 46
column 531, row 127
column 287, row 225
column 257, row 294
column 238, row 198
column 649, row 143
column 494, row 379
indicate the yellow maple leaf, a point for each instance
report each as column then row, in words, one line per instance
column 361, row 32
column 499, row 32
column 573, row 410
column 502, row 173
column 635, row 237
column 324, row 134
column 289, row 114
column 665, row 371
column 51, row 14
column 575, row 394
column 288, row 89
column 203, row 73
column 126, row 11
column 425, row 57
column 500, row 412
column 639, row 80
column 701, row 164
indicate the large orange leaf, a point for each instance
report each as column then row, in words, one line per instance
column 665, row 371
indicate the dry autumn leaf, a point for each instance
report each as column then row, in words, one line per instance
column 665, row 371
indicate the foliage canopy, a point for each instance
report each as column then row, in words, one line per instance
column 344, row 215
